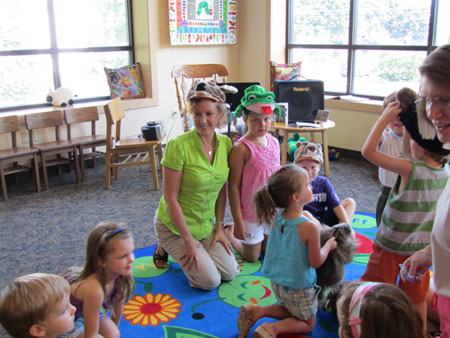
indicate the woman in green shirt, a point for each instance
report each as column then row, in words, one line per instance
column 189, row 219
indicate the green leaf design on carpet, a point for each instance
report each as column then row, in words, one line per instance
column 181, row 332
column 247, row 268
column 362, row 259
column 143, row 268
column 363, row 222
column 247, row 289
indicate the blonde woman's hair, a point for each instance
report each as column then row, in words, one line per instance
column 221, row 107
column 278, row 191
column 27, row 301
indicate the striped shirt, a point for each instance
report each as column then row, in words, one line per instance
column 408, row 217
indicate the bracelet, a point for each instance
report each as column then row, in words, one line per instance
column 221, row 222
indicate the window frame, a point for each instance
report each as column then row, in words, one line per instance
column 55, row 52
column 352, row 47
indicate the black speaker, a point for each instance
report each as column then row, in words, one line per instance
column 305, row 98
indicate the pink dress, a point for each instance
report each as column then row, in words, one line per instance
column 264, row 162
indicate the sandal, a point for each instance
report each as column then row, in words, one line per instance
column 244, row 322
column 160, row 261
column 261, row 332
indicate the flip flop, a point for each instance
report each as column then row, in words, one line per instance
column 261, row 332
column 160, row 261
column 243, row 323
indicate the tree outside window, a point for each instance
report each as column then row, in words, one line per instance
column 45, row 44
column 365, row 48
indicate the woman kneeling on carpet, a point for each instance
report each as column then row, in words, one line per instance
column 189, row 220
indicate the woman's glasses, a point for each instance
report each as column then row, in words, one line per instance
column 424, row 103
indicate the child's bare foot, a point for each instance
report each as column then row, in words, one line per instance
column 245, row 320
column 228, row 230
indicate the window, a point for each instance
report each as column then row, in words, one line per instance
column 45, row 44
column 365, row 48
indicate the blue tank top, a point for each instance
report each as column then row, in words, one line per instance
column 286, row 261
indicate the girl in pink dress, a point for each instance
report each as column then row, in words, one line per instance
column 252, row 160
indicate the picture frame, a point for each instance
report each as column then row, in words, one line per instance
column 283, row 119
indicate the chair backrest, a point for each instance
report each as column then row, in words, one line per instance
column 80, row 115
column 185, row 75
column 114, row 113
column 10, row 124
column 52, row 118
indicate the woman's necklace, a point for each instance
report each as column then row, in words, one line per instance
column 208, row 150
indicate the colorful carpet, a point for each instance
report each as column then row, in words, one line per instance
column 165, row 306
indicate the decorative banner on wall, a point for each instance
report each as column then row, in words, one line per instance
column 202, row 22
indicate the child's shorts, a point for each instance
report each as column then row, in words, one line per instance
column 255, row 232
column 443, row 304
column 383, row 266
column 327, row 217
column 78, row 329
column 301, row 303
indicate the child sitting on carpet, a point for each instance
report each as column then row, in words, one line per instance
column 293, row 252
column 325, row 206
column 408, row 216
column 252, row 160
column 36, row 305
column 373, row 310
column 106, row 282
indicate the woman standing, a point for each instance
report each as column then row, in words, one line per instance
column 433, row 110
column 189, row 220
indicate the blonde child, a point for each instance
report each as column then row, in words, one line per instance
column 326, row 206
column 373, row 310
column 252, row 160
column 407, row 219
column 391, row 144
column 106, row 282
column 37, row 305
column 293, row 252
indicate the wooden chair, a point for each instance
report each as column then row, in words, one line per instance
column 185, row 75
column 130, row 151
column 83, row 115
column 13, row 155
column 58, row 147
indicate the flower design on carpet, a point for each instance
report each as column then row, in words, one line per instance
column 151, row 309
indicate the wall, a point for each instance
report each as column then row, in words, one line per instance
column 246, row 60
column 353, row 122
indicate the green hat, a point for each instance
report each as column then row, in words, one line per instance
column 258, row 100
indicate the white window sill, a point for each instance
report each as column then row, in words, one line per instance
column 362, row 105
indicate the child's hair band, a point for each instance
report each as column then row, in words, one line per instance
column 355, row 307
column 115, row 232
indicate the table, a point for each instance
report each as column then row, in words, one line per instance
column 322, row 128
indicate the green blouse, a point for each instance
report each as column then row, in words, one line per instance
column 200, row 184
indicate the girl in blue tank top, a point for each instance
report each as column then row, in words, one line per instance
column 292, row 255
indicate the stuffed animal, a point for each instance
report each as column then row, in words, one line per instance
column 60, row 97
column 331, row 272
column 333, row 154
column 292, row 145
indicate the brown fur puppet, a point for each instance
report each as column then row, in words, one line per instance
column 331, row 272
